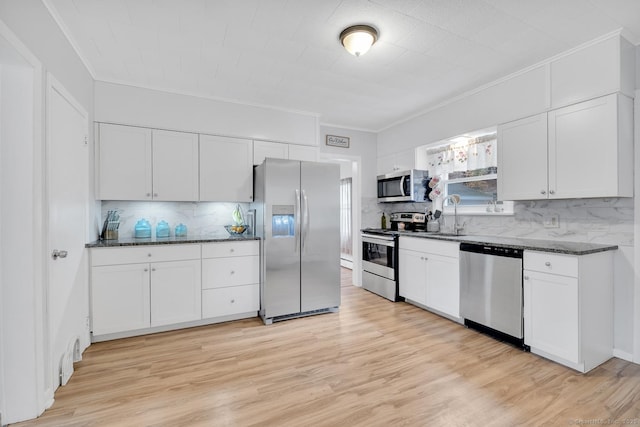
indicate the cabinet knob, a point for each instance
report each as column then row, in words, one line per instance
column 232, row 250
column 233, row 272
column 153, row 269
column 232, row 301
column 422, row 258
column 146, row 269
column 526, row 277
column 149, row 254
column 548, row 264
column 552, row 192
column 148, row 194
column 155, row 194
column 543, row 192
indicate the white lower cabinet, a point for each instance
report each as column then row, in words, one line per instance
column 175, row 292
column 119, row 298
column 230, row 279
column 568, row 307
column 138, row 288
column 429, row 274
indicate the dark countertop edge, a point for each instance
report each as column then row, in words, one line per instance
column 165, row 241
column 554, row 246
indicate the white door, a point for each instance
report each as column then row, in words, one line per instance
column 67, row 189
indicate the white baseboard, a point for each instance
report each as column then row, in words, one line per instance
column 622, row 355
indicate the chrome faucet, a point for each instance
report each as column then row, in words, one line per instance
column 455, row 199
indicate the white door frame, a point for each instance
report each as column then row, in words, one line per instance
column 356, row 209
column 32, row 389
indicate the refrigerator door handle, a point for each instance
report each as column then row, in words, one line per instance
column 298, row 227
column 305, row 218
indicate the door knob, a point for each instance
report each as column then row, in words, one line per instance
column 58, row 254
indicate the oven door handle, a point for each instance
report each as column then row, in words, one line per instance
column 379, row 240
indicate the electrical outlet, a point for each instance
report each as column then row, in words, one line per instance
column 551, row 221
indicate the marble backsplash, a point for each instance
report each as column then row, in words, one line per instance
column 201, row 218
column 606, row 221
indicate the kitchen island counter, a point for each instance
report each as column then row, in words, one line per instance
column 207, row 238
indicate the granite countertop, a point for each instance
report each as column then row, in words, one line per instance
column 556, row 246
column 130, row 241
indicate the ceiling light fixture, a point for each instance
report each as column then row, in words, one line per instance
column 358, row 39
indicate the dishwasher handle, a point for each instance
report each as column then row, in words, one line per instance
column 503, row 251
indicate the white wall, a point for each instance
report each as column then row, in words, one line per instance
column 130, row 105
column 19, row 275
column 362, row 153
column 27, row 389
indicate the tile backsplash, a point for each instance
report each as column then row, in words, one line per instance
column 606, row 221
column 205, row 218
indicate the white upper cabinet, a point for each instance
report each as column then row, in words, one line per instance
column 304, row 153
column 175, row 166
column 597, row 70
column 143, row 164
column 124, row 163
column 587, row 152
column 226, row 169
column 522, row 159
column 400, row 161
column 591, row 149
column 264, row 149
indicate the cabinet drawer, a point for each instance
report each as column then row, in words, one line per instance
column 147, row 253
column 565, row 265
column 223, row 272
column 230, row 249
column 432, row 246
column 232, row 300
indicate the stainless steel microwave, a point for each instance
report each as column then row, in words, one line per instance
column 405, row 186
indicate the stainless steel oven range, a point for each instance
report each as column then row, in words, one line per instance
column 379, row 263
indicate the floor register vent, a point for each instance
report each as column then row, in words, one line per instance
column 67, row 360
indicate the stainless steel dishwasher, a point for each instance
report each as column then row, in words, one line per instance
column 491, row 291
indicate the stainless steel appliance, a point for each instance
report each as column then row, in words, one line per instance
column 379, row 263
column 409, row 221
column 297, row 217
column 491, row 290
column 405, row 186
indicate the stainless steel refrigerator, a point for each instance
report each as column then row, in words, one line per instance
column 297, row 216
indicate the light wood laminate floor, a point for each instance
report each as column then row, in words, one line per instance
column 375, row 363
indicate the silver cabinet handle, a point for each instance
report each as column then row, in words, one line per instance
column 153, row 269
column 233, row 272
column 526, row 277
column 552, row 192
column 233, row 301
column 58, row 254
column 155, row 194
column 146, row 269
column 548, row 264
column 543, row 192
column 148, row 194
column 149, row 254
column 232, row 250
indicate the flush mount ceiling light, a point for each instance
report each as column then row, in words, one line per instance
column 358, row 39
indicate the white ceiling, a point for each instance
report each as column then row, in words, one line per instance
column 286, row 53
